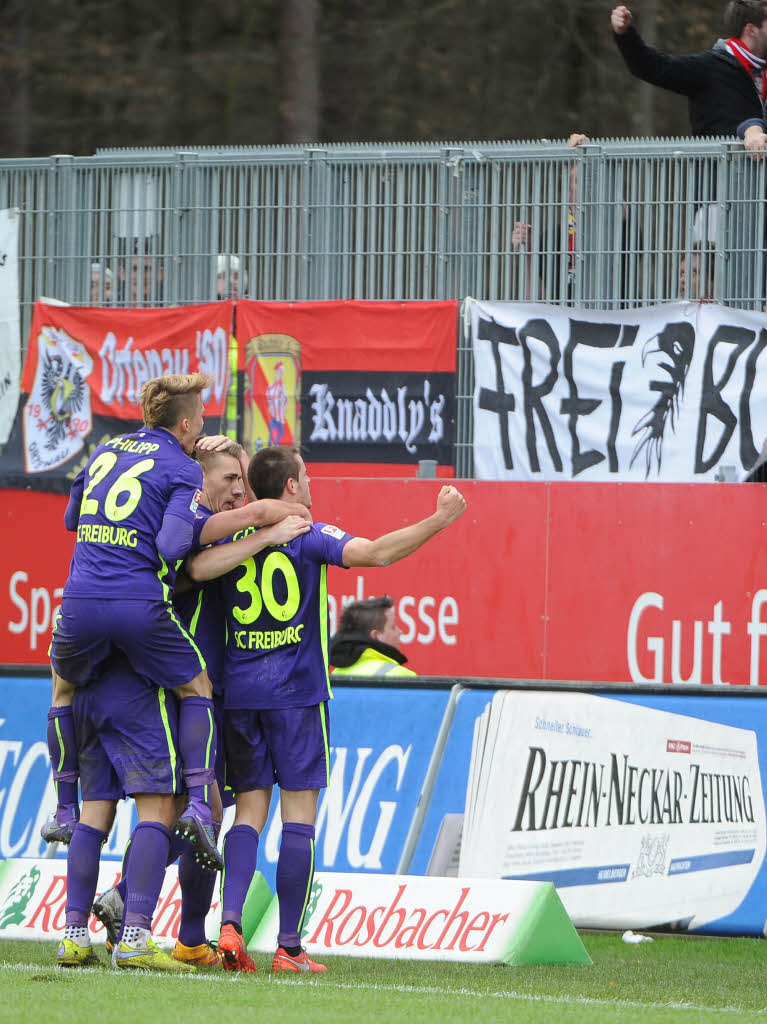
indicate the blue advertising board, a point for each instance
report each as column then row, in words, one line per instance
column 381, row 745
column 381, row 742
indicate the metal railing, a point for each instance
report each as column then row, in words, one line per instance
column 611, row 224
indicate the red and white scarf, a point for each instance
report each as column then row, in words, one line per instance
column 755, row 66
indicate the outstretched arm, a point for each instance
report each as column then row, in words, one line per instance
column 215, row 561
column 255, row 513
column 392, row 547
column 682, row 74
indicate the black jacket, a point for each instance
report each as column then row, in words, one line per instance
column 720, row 91
column 346, row 648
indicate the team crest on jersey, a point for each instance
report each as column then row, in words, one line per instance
column 195, row 501
column 57, row 415
column 333, row 531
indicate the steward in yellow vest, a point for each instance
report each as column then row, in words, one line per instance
column 372, row 660
column 365, row 644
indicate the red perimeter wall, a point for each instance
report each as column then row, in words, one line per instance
column 590, row 582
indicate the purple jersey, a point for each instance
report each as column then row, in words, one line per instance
column 277, row 623
column 201, row 611
column 119, row 501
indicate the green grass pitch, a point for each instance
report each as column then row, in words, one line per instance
column 675, row 978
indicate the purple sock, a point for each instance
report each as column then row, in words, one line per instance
column 197, row 747
column 295, row 871
column 178, row 847
column 197, row 886
column 122, row 885
column 83, row 859
column 62, row 750
column 146, row 872
column 240, row 859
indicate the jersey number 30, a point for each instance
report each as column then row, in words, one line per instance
column 263, row 596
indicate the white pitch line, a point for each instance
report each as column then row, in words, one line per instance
column 434, row 990
column 530, row 997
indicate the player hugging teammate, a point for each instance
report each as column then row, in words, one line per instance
column 152, row 700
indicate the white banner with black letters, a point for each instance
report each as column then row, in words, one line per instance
column 10, row 340
column 667, row 393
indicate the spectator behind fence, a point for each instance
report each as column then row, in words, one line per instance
column 140, row 279
column 552, row 253
column 522, row 240
column 724, row 85
column 366, row 641
column 101, row 285
column 230, row 282
column 697, row 285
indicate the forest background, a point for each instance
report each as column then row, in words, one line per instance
column 79, row 75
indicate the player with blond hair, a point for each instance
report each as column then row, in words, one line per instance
column 134, row 510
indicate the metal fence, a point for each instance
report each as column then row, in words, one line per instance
column 611, row 224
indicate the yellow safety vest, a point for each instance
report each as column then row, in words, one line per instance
column 373, row 663
column 231, row 397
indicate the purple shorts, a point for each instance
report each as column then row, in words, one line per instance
column 150, row 634
column 127, row 736
column 289, row 747
column 227, row 793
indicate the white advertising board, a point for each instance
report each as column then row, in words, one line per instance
column 33, row 896
column 639, row 817
column 418, row 918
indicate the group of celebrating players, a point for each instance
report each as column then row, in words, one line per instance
column 190, row 672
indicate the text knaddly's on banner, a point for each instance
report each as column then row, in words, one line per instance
column 83, row 374
column 365, row 388
column 667, row 393
column 10, row 342
column 640, row 817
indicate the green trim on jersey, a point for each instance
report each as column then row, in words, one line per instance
column 324, row 624
column 56, row 621
column 196, row 616
column 166, row 592
column 323, row 719
column 164, row 570
column 168, row 736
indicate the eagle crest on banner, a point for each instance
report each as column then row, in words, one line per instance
column 57, row 415
column 652, row 856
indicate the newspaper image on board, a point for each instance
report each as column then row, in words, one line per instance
column 639, row 817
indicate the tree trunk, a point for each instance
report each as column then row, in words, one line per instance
column 14, row 124
column 299, row 71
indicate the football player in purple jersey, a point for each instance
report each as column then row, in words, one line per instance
column 133, row 509
column 200, row 611
column 276, row 688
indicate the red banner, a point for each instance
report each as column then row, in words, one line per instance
column 364, row 387
column 591, row 582
column 83, row 376
column 116, row 350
